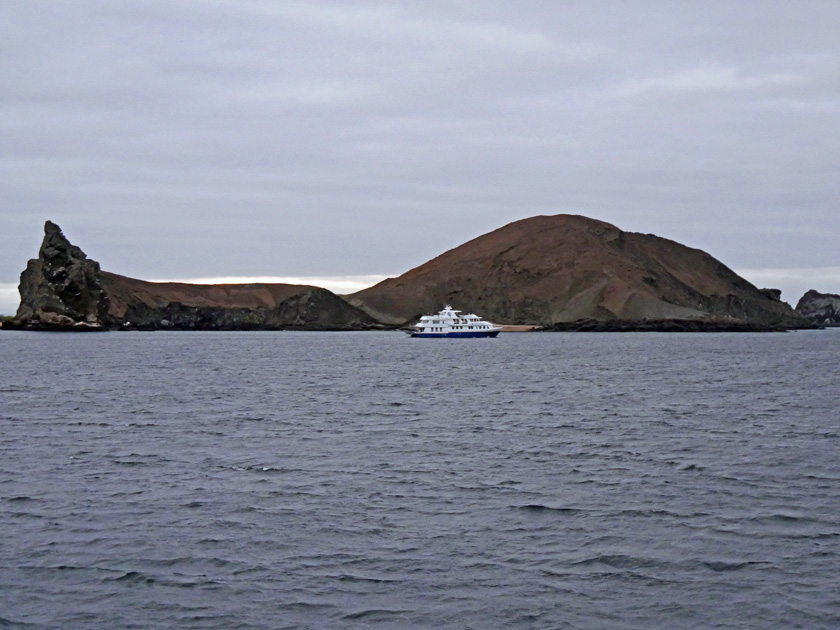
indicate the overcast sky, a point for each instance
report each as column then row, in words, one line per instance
column 180, row 139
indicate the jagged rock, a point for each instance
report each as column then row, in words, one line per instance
column 61, row 288
column 551, row 270
column 823, row 309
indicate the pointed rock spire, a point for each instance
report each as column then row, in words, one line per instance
column 61, row 288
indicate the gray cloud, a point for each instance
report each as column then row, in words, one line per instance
column 193, row 139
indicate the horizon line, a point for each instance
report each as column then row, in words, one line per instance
column 337, row 284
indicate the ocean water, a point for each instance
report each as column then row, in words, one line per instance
column 371, row 480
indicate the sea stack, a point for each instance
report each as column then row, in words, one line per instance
column 61, row 288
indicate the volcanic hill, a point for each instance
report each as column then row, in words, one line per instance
column 557, row 270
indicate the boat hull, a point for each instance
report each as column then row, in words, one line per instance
column 462, row 334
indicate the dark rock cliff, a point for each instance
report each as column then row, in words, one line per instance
column 823, row 309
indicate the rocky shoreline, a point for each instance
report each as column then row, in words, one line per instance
column 667, row 325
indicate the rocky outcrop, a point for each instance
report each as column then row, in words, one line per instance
column 558, row 270
column 63, row 289
column 823, row 309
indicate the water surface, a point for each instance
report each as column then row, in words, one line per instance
column 357, row 480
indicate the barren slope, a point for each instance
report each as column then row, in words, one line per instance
column 565, row 268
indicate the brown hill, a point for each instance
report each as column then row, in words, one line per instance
column 550, row 270
column 64, row 289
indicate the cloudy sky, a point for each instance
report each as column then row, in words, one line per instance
column 346, row 141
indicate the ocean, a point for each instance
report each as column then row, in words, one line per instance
column 371, row 480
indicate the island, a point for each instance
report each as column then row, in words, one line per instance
column 550, row 273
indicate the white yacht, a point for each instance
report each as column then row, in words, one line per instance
column 451, row 323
